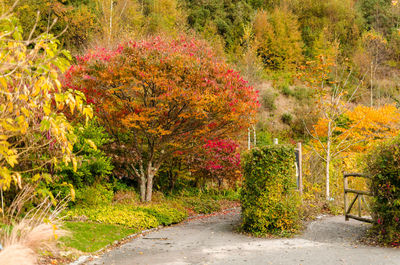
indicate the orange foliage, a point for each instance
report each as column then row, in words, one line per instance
column 168, row 95
column 364, row 126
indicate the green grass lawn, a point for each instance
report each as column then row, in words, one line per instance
column 89, row 237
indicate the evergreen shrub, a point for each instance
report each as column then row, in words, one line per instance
column 384, row 168
column 270, row 202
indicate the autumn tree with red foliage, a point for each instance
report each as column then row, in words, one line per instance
column 166, row 95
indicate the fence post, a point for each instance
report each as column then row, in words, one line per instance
column 345, row 199
column 299, row 148
column 248, row 139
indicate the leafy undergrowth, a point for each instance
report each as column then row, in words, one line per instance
column 139, row 218
column 90, row 237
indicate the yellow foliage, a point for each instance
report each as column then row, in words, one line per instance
column 32, row 128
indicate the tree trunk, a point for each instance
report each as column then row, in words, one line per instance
column 141, row 177
column 219, row 182
column 328, row 160
column 371, row 84
column 142, row 187
column 172, row 179
column 149, row 186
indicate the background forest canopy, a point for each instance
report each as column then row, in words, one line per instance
column 141, row 111
column 338, row 55
column 232, row 24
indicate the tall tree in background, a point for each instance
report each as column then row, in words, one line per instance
column 229, row 17
column 339, row 20
column 377, row 15
column 375, row 47
column 278, row 39
column 167, row 95
column 74, row 21
column 135, row 18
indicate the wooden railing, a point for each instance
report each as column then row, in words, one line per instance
column 359, row 198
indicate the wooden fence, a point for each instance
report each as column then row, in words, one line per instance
column 359, row 197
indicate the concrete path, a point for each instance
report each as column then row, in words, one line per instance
column 213, row 240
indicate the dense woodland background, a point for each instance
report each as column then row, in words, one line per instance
column 286, row 49
column 324, row 73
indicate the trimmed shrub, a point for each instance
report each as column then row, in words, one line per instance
column 384, row 168
column 270, row 204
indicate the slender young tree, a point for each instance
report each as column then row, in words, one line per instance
column 330, row 91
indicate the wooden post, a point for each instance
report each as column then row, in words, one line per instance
column 248, row 139
column 359, row 205
column 300, row 169
column 345, row 197
column 255, row 136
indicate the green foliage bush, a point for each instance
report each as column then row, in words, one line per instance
column 201, row 204
column 94, row 195
column 93, row 166
column 287, row 118
column 285, row 88
column 268, row 99
column 270, row 204
column 384, row 168
column 165, row 215
column 302, row 93
column 226, row 194
column 264, row 137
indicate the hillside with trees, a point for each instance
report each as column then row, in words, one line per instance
column 140, row 111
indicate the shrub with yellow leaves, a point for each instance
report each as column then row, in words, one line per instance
column 34, row 133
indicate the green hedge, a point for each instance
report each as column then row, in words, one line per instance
column 270, row 204
column 384, row 168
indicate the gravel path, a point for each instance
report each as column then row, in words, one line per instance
column 213, row 240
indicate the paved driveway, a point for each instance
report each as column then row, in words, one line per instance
column 213, row 240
